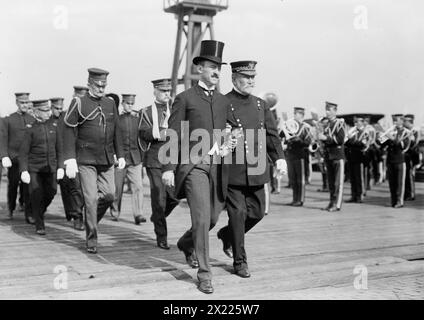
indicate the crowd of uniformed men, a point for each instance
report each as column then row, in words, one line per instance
column 91, row 149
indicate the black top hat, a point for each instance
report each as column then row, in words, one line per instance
column 210, row 50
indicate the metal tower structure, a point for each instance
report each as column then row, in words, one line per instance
column 195, row 18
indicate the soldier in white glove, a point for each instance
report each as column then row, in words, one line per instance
column 41, row 161
column 91, row 137
column 11, row 137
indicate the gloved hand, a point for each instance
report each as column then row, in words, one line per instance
column 71, row 168
column 60, row 174
column 25, row 177
column 168, row 178
column 6, row 162
column 281, row 166
column 121, row 163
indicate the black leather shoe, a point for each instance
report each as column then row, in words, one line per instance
column 397, row 205
column 191, row 260
column 163, row 245
column 351, row 200
column 243, row 273
column 205, row 286
column 92, row 250
column 328, row 207
column 333, row 209
column 79, row 224
column 139, row 219
column 10, row 214
column 30, row 220
column 41, row 232
column 409, row 199
column 297, row 204
column 226, row 247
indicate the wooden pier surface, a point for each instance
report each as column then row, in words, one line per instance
column 293, row 253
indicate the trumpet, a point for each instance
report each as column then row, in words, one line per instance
column 384, row 136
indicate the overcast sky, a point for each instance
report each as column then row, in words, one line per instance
column 364, row 55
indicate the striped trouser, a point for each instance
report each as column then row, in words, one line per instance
column 297, row 176
column 396, row 173
column 336, row 172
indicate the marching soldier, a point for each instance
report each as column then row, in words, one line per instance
column 246, row 196
column 321, row 155
column 202, row 179
column 129, row 126
column 12, row 136
column 154, row 118
column 91, row 138
column 70, row 189
column 355, row 146
column 41, row 161
column 334, row 140
column 412, row 157
column 297, row 147
column 397, row 140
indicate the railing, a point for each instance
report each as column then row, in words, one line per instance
column 221, row 4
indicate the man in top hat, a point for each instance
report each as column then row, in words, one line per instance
column 12, row 136
column 412, row 157
column 91, row 139
column 70, row 190
column 397, row 139
column 246, row 196
column 80, row 91
column 333, row 139
column 41, row 161
column 129, row 126
column 355, row 149
column 154, row 119
column 199, row 177
column 296, row 152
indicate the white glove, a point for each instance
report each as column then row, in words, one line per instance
column 71, row 168
column 281, row 166
column 60, row 174
column 168, row 178
column 121, row 163
column 6, row 162
column 25, row 177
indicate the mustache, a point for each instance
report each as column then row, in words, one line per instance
column 215, row 76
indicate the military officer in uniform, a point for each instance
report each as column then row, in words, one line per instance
column 200, row 177
column 154, row 118
column 412, row 157
column 246, row 196
column 129, row 126
column 70, row 189
column 41, row 161
column 296, row 152
column 91, row 139
column 397, row 139
column 355, row 146
column 333, row 139
column 12, row 136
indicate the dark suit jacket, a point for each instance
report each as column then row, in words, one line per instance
column 149, row 144
column 129, row 126
column 41, row 149
column 334, row 145
column 201, row 112
column 12, row 134
column 250, row 112
column 90, row 142
column 396, row 148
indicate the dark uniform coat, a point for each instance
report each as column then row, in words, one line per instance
column 129, row 125
column 95, row 140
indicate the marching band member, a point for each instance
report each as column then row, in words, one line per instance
column 397, row 141
column 412, row 157
column 295, row 154
column 333, row 138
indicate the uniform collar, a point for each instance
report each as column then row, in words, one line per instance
column 204, row 86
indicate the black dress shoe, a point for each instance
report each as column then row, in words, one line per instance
column 139, row 219
column 79, row 224
column 41, row 232
column 351, row 200
column 191, row 260
column 327, row 207
column 297, row 204
column 226, row 247
column 409, row 199
column 243, row 273
column 163, row 245
column 10, row 214
column 205, row 286
column 397, row 205
column 30, row 220
column 92, row 250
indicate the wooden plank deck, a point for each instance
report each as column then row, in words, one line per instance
column 294, row 253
